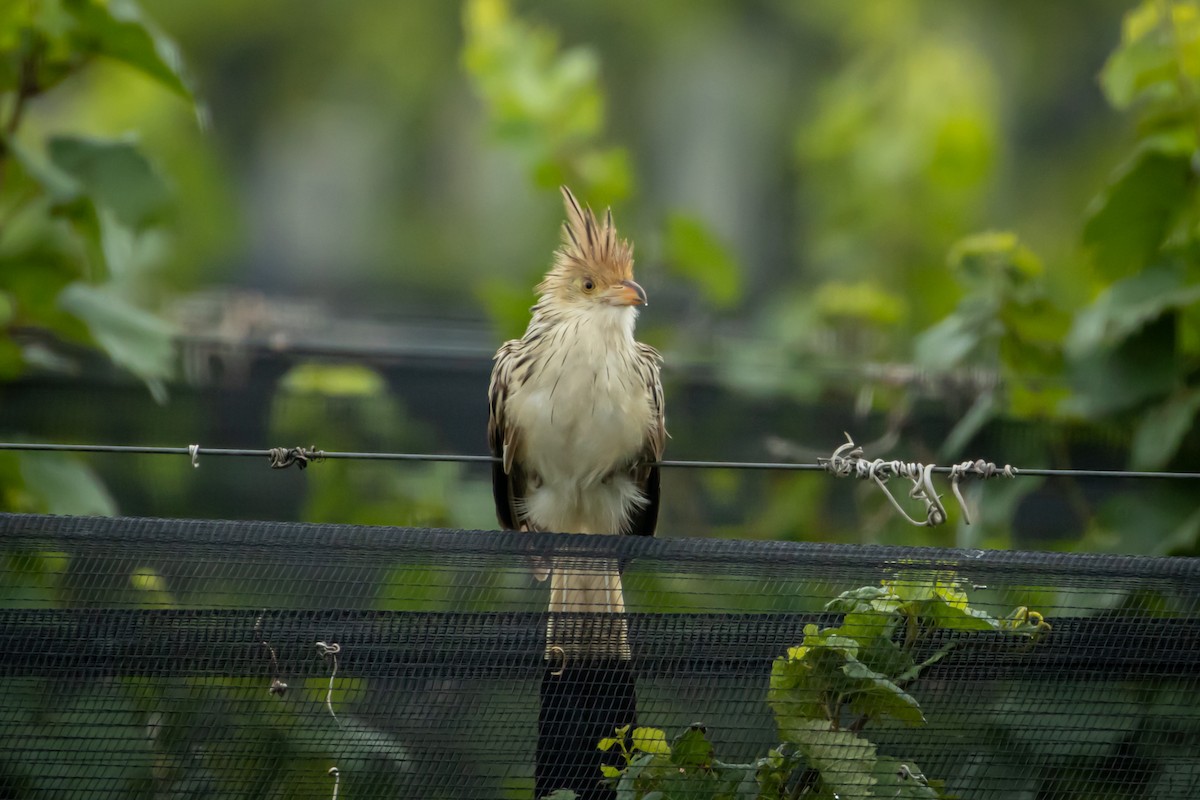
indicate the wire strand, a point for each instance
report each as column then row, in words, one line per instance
column 195, row 452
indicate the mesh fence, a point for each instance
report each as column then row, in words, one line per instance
column 172, row 659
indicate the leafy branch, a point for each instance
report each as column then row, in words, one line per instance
column 82, row 218
column 824, row 692
column 105, row 190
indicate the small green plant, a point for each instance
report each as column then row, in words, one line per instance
column 823, row 693
column 688, row 767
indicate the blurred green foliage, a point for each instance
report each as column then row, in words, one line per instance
column 850, row 213
column 546, row 104
column 82, row 221
column 875, row 209
column 350, row 404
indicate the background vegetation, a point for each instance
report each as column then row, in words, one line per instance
column 954, row 231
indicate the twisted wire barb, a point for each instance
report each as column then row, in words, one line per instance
column 848, row 461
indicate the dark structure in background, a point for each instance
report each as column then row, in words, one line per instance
column 142, row 658
column 236, row 348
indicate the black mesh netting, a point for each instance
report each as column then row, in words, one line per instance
column 145, row 658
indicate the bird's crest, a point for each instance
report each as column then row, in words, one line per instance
column 591, row 245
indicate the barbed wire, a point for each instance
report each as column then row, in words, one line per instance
column 279, row 457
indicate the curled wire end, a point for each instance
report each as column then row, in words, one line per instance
column 844, row 458
column 284, row 457
column 194, row 452
column 976, row 469
column 337, row 779
column 330, row 650
column 848, row 461
column 559, row 661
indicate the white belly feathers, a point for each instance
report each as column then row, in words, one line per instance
column 584, row 416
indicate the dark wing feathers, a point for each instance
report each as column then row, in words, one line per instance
column 508, row 480
column 645, row 470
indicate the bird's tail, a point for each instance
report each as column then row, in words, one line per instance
column 587, row 610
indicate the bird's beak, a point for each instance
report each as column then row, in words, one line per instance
column 627, row 293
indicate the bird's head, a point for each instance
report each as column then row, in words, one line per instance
column 593, row 269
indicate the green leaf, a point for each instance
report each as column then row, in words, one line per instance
column 951, row 341
column 886, row 657
column 846, row 761
column 334, row 380
column 695, row 253
column 938, row 597
column 134, row 339
column 876, row 695
column 61, row 187
column 145, row 579
column 866, row 626
column 1135, row 67
column 860, row 599
column 796, row 690
column 1128, row 221
column 65, row 485
column 920, row 585
column 116, row 174
column 960, row 619
column 864, row 301
column 981, row 258
column 33, row 578
column 546, row 102
column 117, row 29
column 1158, row 435
column 1143, row 366
column 692, row 748
column 609, row 771
column 1035, row 321
column 832, row 639
column 982, row 411
column 1129, row 305
column 606, row 744
column 651, row 740
column 607, row 173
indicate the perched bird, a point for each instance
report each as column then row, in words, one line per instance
column 576, row 423
column 577, row 412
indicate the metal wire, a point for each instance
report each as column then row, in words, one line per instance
column 195, row 452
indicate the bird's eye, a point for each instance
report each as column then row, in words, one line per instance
column 588, row 284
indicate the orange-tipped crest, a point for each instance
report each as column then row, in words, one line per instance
column 590, row 246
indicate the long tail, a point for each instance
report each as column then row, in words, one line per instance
column 589, row 689
column 592, row 588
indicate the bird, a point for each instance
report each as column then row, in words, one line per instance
column 576, row 418
column 577, row 429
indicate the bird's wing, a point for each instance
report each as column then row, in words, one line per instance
column 645, row 469
column 508, row 479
